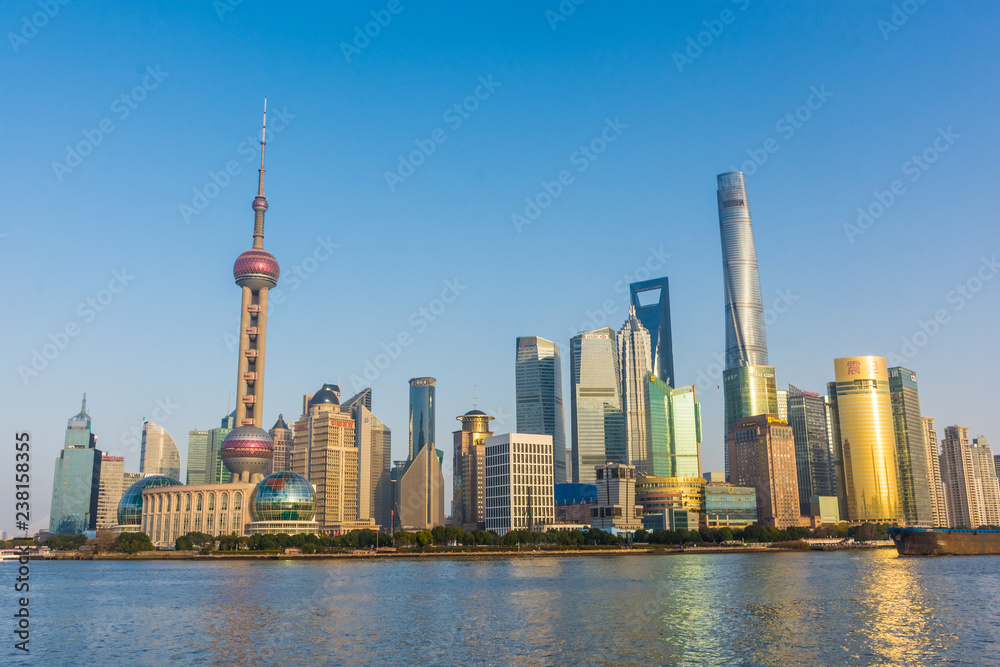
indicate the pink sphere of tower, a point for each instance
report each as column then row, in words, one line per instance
column 247, row 449
column 256, row 268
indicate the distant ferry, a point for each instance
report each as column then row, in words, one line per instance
column 945, row 541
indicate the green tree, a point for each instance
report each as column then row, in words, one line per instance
column 424, row 538
column 131, row 543
column 725, row 535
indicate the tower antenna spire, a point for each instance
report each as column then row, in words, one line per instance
column 475, row 400
column 263, row 143
column 260, row 201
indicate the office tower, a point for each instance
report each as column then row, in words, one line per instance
column 373, row 440
column 520, row 493
column 751, row 391
column 421, row 414
column 673, row 430
column 159, row 454
column 658, row 496
column 283, row 441
column 762, row 455
column 617, row 507
column 865, row 441
column 595, row 403
column 938, row 508
column 325, row 452
column 198, row 464
column 247, row 450
column 807, row 415
column 217, row 472
column 959, row 477
column 77, row 479
column 915, row 476
column 984, row 468
column 538, row 382
column 783, row 404
column 635, row 362
column 469, row 470
column 419, row 493
column 110, row 490
column 651, row 302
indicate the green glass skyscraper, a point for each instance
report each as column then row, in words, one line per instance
column 911, row 448
column 673, row 428
column 77, row 479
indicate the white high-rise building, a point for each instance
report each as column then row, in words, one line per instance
column 939, row 510
column 159, row 454
column 110, row 491
column 519, row 482
column 595, row 402
column 635, row 360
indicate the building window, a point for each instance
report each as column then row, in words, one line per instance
column 237, row 501
column 187, row 502
column 224, row 502
column 211, row 502
column 197, row 507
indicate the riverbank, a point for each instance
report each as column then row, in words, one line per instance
column 484, row 553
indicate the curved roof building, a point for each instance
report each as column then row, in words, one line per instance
column 130, row 506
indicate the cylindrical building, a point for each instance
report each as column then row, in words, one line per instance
column 421, row 414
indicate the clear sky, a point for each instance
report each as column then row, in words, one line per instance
column 117, row 118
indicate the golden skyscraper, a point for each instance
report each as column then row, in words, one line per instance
column 865, row 440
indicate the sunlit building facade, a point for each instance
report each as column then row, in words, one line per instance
column 520, row 492
column 938, row 506
column 539, row 395
column 469, row 470
column 198, row 464
column 729, row 505
column 915, row 475
column 169, row 511
column 159, row 454
column 673, row 430
column 284, row 440
column 762, row 455
column 959, row 477
column 422, row 407
column 747, row 391
column 988, row 488
column 865, row 441
column 635, row 363
column 596, row 403
column 657, row 494
column 112, row 486
column 77, row 478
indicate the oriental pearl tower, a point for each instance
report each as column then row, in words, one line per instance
column 248, row 449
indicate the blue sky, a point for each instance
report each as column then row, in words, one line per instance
column 193, row 76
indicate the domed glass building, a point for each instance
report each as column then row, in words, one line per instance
column 283, row 502
column 130, row 506
column 283, row 496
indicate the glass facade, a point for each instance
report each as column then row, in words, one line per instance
column 159, row 454
column 807, row 415
column 421, row 414
column 197, row 459
column 673, row 427
column 595, row 405
column 283, row 496
column 746, row 342
column 911, row 449
column 130, row 506
column 730, row 505
column 651, row 301
column 538, row 387
column 865, row 440
column 749, row 391
column 657, row 494
column 77, row 478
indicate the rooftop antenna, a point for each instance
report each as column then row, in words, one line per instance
column 474, row 398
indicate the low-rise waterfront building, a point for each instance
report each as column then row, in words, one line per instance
column 617, row 508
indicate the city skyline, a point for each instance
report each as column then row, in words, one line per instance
column 120, row 361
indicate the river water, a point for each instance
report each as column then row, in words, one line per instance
column 857, row 608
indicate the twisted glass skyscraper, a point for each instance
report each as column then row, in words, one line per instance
column 748, row 381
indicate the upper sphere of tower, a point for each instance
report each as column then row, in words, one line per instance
column 259, row 203
column 256, row 268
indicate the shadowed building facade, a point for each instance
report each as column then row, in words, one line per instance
column 420, row 492
column 865, row 441
column 77, row 479
column 373, row 440
column 635, row 362
column 807, row 415
column 159, row 454
column 959, row 477
column 915, row 475
column 538, row 387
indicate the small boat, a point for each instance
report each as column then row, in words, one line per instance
column 946, row 541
